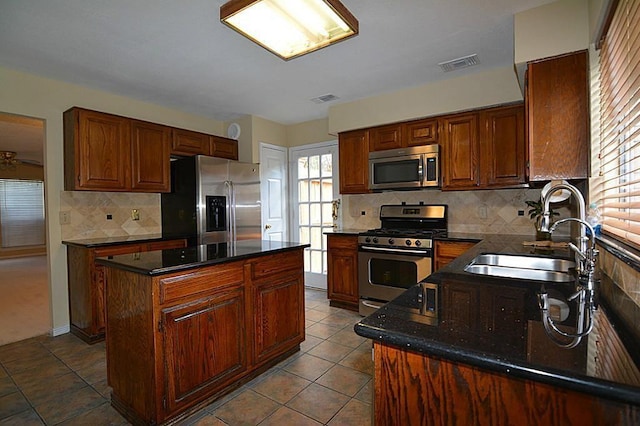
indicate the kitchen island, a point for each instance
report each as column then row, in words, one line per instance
column 479, row 354
column 187, row 325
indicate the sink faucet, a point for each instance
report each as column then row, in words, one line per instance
column 581, row 249
column 586, row 256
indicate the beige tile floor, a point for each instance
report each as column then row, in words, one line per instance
column 62, row 380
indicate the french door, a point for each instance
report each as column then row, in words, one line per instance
column 314, row 176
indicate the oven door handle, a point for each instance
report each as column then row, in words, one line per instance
column 370, row 304
column 392, row 250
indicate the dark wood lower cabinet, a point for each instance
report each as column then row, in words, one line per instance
column 86, row 284
column 342, row 271
column 175, row 342
column 414, row 389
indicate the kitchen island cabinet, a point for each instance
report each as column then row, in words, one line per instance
column 86, row 278
column 185, row 326
column 482, row 355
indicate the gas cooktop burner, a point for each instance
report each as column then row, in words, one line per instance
column 407, row 226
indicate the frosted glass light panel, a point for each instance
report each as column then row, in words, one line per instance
column 290, row 28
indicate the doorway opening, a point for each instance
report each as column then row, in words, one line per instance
column 25, row 308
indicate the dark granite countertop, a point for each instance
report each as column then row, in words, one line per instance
column 180, row 259
column 345, row 231
column 111, row 241
column 495, row 323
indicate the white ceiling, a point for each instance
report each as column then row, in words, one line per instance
column 178, row 54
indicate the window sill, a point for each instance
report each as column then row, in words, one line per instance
column 625, row 253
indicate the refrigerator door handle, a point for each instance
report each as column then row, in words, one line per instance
column 232, row 210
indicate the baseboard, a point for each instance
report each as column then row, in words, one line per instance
column 61, row 330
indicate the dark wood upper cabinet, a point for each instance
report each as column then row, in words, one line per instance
column 484, row 149
column 557, row 102
column 502, row 147
column 460, row 152
column 224, row 147
column 385, row 137
column 97, row 151
column 187, row 142
column 150, row 157
column 354, row 162
column 421, row 132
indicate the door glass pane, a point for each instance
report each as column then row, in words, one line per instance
column 327, row 189
column 303, row 191
column 316, row 261
column 314, row 166
column 316, row 238
column 303, row 167
column 315, row 189
column 304, row 235
column 316, row 218
column 326, row 214
column 303, row 216
column 327, row 169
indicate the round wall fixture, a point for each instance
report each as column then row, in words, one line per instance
column 557, row 196
column 233, row 131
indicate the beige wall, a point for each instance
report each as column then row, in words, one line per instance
column 24, row 171
column 309, row 132
column 33, row 96
column 496, row 86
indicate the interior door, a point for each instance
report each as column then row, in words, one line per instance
column 273, row 168
column 314, row 177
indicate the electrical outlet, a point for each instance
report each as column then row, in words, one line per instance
column 109, row 217
column 65, row 218
column 482, row 212
column 135, row 214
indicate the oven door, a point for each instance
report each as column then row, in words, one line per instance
column 384, row 274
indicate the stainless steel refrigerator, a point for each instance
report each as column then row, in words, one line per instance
column 212, row 200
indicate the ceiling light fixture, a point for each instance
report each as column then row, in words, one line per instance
column 8, row 160
column 290, row 28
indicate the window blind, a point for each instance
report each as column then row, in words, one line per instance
column 618, row 189
column 22, row 213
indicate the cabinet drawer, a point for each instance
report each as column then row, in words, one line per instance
column 277, row 264
column 453, row 248
column 164, row 245
column 346, row 242
column 116, row 250
column 201, row 281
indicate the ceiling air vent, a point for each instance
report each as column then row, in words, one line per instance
column 324, row 98
column 456, row 64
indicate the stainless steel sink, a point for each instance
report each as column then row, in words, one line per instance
column 522, row 267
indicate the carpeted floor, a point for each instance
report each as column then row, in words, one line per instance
column 24, row 299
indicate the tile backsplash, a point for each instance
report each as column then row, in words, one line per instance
column 89, row 210
column 486, row 211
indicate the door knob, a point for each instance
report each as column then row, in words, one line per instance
column 267, row 226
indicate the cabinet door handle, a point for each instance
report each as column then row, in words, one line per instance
column 267, row 226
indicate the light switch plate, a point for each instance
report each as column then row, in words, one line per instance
column 135, row 214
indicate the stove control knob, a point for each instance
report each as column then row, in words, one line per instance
column 391, row 241
column 367, row 240
column 418, row 243
column 408, row 242
column 375, row 240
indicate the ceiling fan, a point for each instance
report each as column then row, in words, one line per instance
column 8, row 160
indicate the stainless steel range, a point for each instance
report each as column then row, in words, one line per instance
column 398, row 255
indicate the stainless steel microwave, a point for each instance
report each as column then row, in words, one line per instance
column 406, row 168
